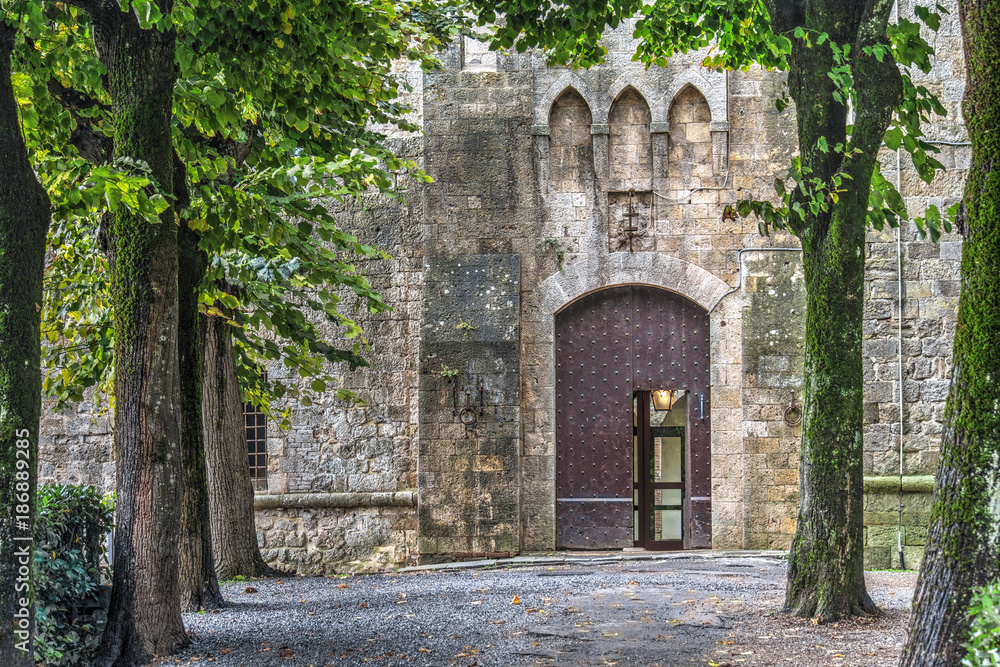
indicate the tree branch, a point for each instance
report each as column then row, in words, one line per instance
column 879, row 84
column 92, row 144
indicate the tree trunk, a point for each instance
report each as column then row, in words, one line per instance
column 963, row 541
column 826, row 566
column 199, row 585
column 234, row 535
column 24, row 221
column 144, row 619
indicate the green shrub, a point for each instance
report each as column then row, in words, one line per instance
column 984, row 636
column 72, row 524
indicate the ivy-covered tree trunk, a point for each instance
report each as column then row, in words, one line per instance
column 144, row 619
column 963, row 541
column 234, row 534
column 826, row 569
column 24, row 221
column 199, row 585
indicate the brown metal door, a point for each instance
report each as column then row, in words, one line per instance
column 610, row 344
column 594, row 422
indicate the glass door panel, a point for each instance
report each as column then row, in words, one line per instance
column 660, row 489
column 667, row 514
column 667, row 459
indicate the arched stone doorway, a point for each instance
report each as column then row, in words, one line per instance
column 628, row 474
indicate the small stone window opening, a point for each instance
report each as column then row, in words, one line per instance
column 255, row 423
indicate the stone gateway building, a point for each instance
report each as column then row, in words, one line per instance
column 584, row 351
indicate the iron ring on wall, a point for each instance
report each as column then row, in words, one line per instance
column 793, row 413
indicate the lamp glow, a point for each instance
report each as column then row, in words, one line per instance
column 664, row 399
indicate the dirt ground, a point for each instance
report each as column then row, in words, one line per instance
column 724, row 613
column 721, row 612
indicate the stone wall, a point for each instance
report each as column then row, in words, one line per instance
column 930, row 286
column 892, row 518
column 630, row 148
column 773, row 345
column 369, row 447
column 332, row 540
column 76, row 446
column 478, row 246
column 470, row 406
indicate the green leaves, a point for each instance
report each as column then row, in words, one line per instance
column 984, row 631
column 147, row 12
column 278, row 111
column 70, row 529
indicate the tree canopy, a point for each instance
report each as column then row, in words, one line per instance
column 263, row 156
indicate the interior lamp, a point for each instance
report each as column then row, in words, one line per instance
column 664, row 399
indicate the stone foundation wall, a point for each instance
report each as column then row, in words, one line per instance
column 884, row 516
column 331, row 540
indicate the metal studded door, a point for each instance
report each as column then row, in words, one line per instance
column 610, row 344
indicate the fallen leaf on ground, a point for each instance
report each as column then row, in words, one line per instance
column 516, row 600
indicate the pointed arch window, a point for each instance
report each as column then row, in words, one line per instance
column 630, row 146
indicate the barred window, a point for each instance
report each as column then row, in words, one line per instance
column 255, row 422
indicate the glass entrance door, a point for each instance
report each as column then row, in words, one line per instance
column 658, row 487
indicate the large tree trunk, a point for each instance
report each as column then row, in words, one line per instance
column 963, row 541
column 234, row 535
column 144, row 619
column 24, row 221
column 199, row 585
column 826, row 567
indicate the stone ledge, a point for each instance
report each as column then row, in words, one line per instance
column 911, row 484
column 299, row 500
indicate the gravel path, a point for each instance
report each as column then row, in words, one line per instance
column 650, row 613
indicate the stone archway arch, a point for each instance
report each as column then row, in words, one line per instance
column 539, row 308
column 641, row 84
column 640, row 268
column 567, row 81
column 715, row 97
